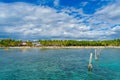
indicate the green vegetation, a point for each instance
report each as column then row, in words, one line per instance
column 14, row 43
column 115, row 42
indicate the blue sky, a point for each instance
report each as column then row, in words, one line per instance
column 60, row 19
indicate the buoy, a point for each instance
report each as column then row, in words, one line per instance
column 90, row 63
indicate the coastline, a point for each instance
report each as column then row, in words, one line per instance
column 65, row 47
column 80, row 47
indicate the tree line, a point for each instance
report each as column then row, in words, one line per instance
column 13, row 43
column 115, row 42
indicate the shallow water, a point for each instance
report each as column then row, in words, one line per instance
column 58, row 64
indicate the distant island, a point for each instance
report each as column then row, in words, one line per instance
column 58, row 43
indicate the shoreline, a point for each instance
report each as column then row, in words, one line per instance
column 65, row 47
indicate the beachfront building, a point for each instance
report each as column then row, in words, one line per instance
column 24, row 44
column 36, row 43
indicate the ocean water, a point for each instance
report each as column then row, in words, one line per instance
column 58, row 64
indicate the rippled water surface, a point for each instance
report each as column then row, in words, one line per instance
column 58, row 64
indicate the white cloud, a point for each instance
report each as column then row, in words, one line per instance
column 56, row 3
column 84, row 3
column 110, row 13
column 31, row 21
column 116, row 28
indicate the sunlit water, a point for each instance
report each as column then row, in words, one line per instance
column 58, row 64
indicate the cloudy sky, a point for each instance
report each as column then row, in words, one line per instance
column 60, row 19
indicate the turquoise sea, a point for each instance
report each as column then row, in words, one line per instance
column 58, row 64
